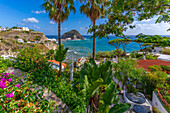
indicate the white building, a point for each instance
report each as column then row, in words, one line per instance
column 2, row 29
column 20, row 40
column 16, row 29
column 157, row 49
column 24, row 29
column 21, row 29
column 53, row 39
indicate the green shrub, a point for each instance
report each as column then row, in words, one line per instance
column 27, row 32
column 165, row 68
column 154, row 68
column 17, row 37
column 132, row 89
column 166, row 51
column 25, row 40
column 37, row 38
column 151, row 57
column 32, row 61
column 155, row 110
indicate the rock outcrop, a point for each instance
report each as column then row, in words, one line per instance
column 72, row 35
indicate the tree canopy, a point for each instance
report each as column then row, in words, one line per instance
column 121, row 14
column 59, row 10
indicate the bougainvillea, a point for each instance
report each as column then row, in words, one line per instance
column 18, row 97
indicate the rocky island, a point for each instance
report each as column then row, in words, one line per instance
column 72, row 35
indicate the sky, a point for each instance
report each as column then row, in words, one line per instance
column 28, row 13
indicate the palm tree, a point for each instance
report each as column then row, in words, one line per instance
column 93, row 9
column 58, row 11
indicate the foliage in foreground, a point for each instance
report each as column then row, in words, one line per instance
column 41, row 73
column 20, row 97
column 99, row 89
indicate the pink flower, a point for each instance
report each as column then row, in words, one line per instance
column 3, row 80
column 18, row 85
column 2, row 85
column 10, row 95
column 6, row 75
column 9, row 79
column 12, row 73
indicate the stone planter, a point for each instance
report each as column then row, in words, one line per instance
column 157, row 102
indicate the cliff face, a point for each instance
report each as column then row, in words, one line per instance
column 72, row 35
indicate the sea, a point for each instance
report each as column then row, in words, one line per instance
column 80, row 48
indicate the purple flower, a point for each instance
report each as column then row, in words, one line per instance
column 18, row 85
column 6, row 75
column 10, row 79
column 2, row 85
column 12, row 73
column 10, row 95
column 3, row 80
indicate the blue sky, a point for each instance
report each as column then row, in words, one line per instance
column 29, row 13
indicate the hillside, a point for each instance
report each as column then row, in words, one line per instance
column 25, row 35
column 9, row 41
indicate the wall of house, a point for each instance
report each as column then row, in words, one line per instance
column 156, row 103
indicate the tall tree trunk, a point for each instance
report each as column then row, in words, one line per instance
column 59, row 42
column 124, row 82
column 94, row 42
column 60, row 69
column 59, row 33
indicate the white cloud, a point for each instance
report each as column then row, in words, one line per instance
column 30, row 20
column 52, row 22
column 39, row 12
column 149, row 27
column 148, row 20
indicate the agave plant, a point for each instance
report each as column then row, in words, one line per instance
column 99, row 89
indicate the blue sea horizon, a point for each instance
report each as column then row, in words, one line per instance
column 83, row 47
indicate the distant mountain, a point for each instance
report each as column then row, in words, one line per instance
column 72, row 35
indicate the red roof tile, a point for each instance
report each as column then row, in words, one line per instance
column 146, row 63
column 58, row 63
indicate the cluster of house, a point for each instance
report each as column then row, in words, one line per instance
column 22, row 41
column 21, row 29
column 18, row 29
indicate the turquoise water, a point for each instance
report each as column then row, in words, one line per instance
column 83, row 47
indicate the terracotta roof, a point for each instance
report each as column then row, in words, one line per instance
column 146, row 63
column 56, row 62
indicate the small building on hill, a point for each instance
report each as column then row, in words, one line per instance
column 2, row 29
column 55, row 64
column 21, row 29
